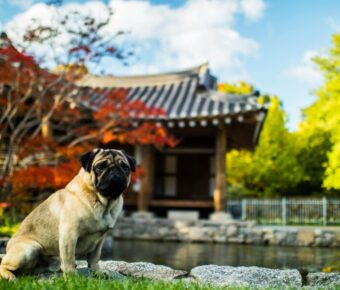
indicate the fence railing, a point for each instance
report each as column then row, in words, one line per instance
column 323, row 211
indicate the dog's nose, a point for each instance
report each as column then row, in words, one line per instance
column 116, row 172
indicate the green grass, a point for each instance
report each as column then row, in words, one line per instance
column 95, row 283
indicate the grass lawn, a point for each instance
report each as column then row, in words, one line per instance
column 100, row 283
column 95, row 283
column 83, row 283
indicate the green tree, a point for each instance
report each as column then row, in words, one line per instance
column 312, row 147
column 273, row 169
column 275, row 166
column 323, row 117
column 238, row 88
column 239, row 169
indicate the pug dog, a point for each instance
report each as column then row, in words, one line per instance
column 74, row 220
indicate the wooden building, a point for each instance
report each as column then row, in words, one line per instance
column 208, row 123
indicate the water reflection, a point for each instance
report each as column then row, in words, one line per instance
column 188, row 255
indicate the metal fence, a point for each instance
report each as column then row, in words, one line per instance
column 323, row 211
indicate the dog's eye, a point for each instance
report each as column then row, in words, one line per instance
column 101, row 166
column 125, row 167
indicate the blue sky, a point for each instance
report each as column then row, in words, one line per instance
column 287, row 30
column 265, row 42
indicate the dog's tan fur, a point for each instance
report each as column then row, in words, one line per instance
column 73, row 221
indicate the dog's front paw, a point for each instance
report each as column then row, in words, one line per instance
column 69, row 270
column 6, row 274
column 95, row 267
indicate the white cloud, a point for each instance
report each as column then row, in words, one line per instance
column 333, row 24
column 47, row 15
column 306, row 70
column 168, row 38
column 253, row 9
column 23, row 4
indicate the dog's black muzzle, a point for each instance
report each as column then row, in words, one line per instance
column 113, row 182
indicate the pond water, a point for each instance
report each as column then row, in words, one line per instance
column 188, row 255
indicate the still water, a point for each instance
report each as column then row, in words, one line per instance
column 188, row 255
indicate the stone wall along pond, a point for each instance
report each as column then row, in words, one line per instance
column 150, row 228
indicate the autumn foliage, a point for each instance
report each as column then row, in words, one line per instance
column 47, row 121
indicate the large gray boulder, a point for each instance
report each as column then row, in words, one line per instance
column 320, row 279
column 222, row 276
column 112, row 266
column 108, row 268
column 141, row 269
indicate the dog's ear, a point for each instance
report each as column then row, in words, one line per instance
column 131, row 160
column 86, row 160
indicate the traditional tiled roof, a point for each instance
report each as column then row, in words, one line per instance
column 189, row 94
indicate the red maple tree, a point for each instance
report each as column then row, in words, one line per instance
column 46, row 121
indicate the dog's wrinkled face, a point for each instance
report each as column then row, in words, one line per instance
column 110, row 170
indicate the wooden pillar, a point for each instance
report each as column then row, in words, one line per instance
column 220, row 168
column 147, row 165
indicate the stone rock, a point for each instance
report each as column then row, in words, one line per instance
column 108, row 269
column 254, row 236
column 305, row 237
column 81, row 264
column 220, row 217
column 137, row 270
column 123, row 233
column 220, row 238
column 324, row 238
column 143, row 227
column 113, row 266
column 181, row 225
column 222, row 276
column 320, row 279
column 279, row 237
column 142, row 215
column 147, row 270
column 199, row 234
column 284, row 238
column 189, row 215
column 236, row 240
column 232, row 230
column 268, row 236
column 291, row 238
column 164, row 231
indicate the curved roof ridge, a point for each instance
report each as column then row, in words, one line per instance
column 144, row 80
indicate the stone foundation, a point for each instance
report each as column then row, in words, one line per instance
column 239, row 232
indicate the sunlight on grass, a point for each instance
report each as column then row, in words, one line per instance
column 84, row 283
column 89, row 283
